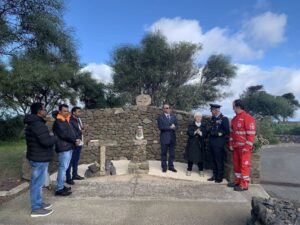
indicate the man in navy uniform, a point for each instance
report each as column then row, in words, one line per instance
column 218, row 136
column 167, row 124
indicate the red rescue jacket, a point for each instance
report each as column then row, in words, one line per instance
column 242, row 131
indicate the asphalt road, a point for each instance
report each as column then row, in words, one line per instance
column 280, row 166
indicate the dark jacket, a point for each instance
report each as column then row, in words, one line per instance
column 219, row 130
column 65, row 134
column 39, row 142
column 195, row 147
column 75, row 125
column 167, row 135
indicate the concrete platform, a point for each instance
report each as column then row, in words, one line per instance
column 130, row 199
column 155, row 170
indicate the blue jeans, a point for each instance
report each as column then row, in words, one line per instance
column 64, row 159
column 38, row 176
column 74, row 163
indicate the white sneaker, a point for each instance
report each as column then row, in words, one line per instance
column 41, row 212
column 201, row 173
column 46, row 205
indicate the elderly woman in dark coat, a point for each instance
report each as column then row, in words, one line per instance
column 194, row 152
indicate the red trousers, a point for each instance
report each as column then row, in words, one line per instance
column 241, row 166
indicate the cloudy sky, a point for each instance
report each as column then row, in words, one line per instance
column 262, row 37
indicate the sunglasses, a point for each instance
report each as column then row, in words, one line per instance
column 166, row 108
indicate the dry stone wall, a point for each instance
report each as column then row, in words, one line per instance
column 119, row 125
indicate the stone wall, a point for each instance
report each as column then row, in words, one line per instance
column 288, row 138
column 120, row 124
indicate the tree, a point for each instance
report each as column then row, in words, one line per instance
column 294, row 103
column 164, row 71
column 33, row 24
column 216, row 74
column 94, row 94
column 43, row 59
column 35, row 79
column 260, row 103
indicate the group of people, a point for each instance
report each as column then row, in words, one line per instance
column 66, row 137
column 218, row 134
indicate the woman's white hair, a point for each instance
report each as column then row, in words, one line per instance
column 197, row 114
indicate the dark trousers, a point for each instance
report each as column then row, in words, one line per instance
column 74, row 163
column 165, row 148
column 190, row 166
column 218, row 161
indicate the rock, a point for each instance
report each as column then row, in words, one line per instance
column 110, row 169
column 119, row 110
column 273, row 211
column 143, row 100
column 147, row 121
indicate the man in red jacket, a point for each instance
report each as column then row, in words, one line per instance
column 241, row 141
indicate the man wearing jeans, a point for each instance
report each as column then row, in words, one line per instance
column 39, row 153
column 78, row 127
column 64, row 147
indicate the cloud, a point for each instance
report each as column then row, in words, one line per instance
column 276, row 81
column 267, row 29
column 248, row 43
column 100, row 72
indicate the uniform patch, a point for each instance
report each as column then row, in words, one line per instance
column 246, row 162
column 251, row 126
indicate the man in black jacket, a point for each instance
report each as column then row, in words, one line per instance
column 39, row 153
column 218, row 136
column 76, row 123
column 64, row 147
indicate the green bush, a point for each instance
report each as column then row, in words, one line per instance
column 11, row 128
column 265, row 130
column 292, row 129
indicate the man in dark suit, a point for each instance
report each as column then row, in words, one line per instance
column 167, row 124
column 218, row 137
column 76, row 123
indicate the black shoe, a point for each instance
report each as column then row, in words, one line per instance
column 238, row 188
column 173, row 170
column 62, row 192
column 218, row 181
column 211, row 179
column 232, row 185
column 67, row 188
column 71, row 182
column 164, row 170
column 77, row 177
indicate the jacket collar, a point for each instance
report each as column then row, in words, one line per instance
column 62, row 118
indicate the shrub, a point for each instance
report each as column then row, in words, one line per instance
column 292, row 129
column 265, row 131
column 11, row 128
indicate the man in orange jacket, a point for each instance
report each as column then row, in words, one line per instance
column 241, row 141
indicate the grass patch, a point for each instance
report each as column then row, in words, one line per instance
column 11, row 153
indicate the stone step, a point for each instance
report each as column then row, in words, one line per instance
column 148, row 187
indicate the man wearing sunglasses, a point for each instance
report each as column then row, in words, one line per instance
column 167, row 124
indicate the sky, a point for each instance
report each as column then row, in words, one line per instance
column 261, row 37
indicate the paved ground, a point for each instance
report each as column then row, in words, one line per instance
column 137, row 200
column 281, row 171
